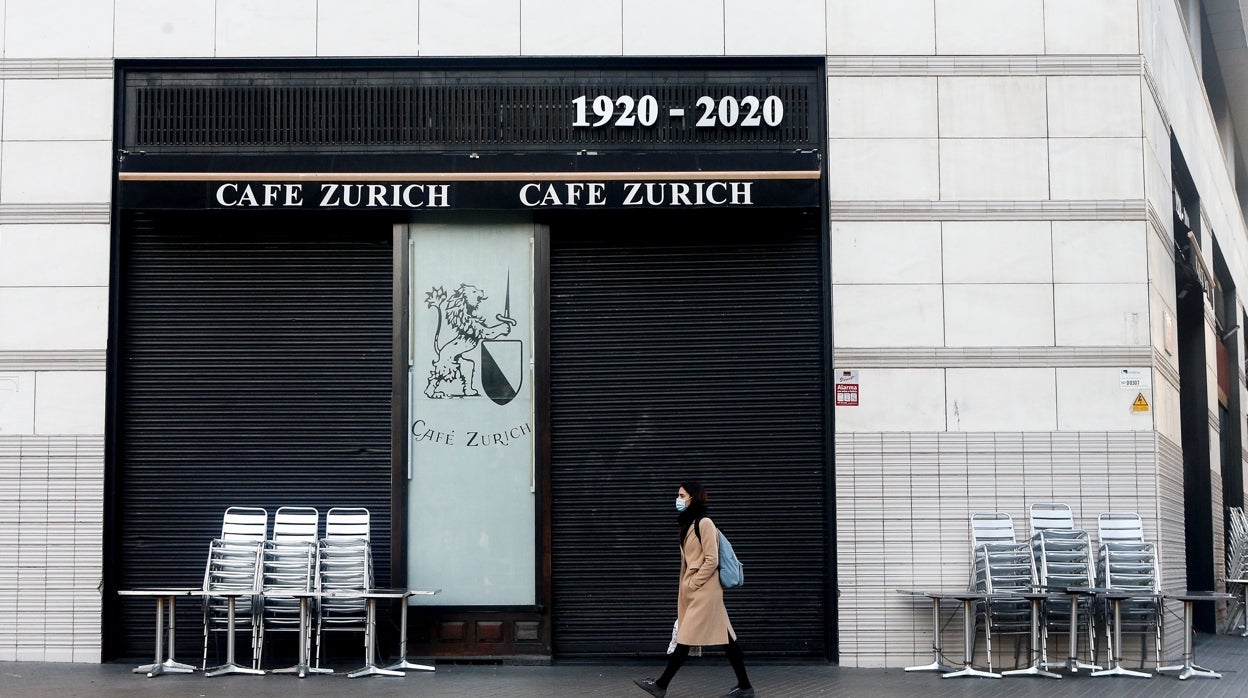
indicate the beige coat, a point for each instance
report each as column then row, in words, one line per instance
column 700, row 606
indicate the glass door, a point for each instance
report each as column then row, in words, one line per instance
column 471, row 492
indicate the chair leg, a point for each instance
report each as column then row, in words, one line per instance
column 1091, row 635
column 1157, row 639
column 204, row 666
column 258, row 652
column 1108, row 637
column 988, row 635
column 318, row 642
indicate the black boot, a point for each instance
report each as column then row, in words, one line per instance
column 649, row 686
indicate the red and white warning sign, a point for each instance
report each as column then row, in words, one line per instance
column 846, row 388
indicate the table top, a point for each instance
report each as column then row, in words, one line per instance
column 1060, row 588
column 1115, row 593
column 929, row 593
column 1042, row 594
column 290, row 593
column 1188, row 595
column 396, row 593
column 283, row 593
column 162, row 592
column 968, row 595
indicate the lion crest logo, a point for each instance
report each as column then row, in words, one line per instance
column 461, row 328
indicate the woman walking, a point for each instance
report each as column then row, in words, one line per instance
column 701, row 617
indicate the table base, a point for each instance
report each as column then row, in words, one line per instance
column 1032, row 671
column 971, row 671
column 404, row 665
column 1121, row 671
column 936, row 665
column 1187, row 671
column 166, row 667
column 373, row 671
column 1039, row 649
column 1188, row 668
column 1074, row 665
column 232, row 668
column 302, row 670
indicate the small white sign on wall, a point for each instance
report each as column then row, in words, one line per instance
column 847, row 388
column 1135, row 379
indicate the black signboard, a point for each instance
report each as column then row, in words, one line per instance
column 439, row 136
column 534, row 194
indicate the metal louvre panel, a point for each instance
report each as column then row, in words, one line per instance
column 432, row 111
column 683, row 355
column 254, row 369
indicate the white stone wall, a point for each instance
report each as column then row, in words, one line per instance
column 999, row 182
column 990, row 280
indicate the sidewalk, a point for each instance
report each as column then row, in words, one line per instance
column 699, row 679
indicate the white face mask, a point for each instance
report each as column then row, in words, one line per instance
column 680, row 504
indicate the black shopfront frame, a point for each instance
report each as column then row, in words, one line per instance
column 399, row 183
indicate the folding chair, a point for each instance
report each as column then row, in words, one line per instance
column 1236, row 568
column 289, row 566
column 1001, row 565
column 1064, row 559
column 233, row 566
column 1127, row 562
column 344, row 565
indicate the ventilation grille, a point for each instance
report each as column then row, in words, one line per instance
column 420, row 112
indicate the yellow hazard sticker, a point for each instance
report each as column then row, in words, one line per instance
column 1140, row 404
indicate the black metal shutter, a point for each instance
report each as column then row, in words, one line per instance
column 253, row 368
column 686, row 348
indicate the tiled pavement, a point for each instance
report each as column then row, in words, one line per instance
column 700, row 678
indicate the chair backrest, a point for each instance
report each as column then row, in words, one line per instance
column 1238, row 522
column 245, row 524
column 1236, row 545
column 1119, row 527
column 1063, row 557
column 347, row 522
column 991, row 528
column 1047, row 516
column 289, row 565
column 233, row 565
column 296, row 525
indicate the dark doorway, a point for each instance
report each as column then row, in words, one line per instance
column 1192, row 279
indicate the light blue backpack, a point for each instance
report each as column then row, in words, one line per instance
column 731, row 575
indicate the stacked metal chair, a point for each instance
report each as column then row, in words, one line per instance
column 234, row 566
column 1126, row 561
column 344, row 566
column 1063, row 556
column 1000, row 565
column 1236, row 568
column 289, row 565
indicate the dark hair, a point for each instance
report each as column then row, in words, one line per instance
column 696, row 510
column 697, row 493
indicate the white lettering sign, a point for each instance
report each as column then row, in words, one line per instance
column 641, row 194
column 334, row 195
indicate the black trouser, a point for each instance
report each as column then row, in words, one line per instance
column 678, row 657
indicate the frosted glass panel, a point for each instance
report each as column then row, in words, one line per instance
column 471, row 512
